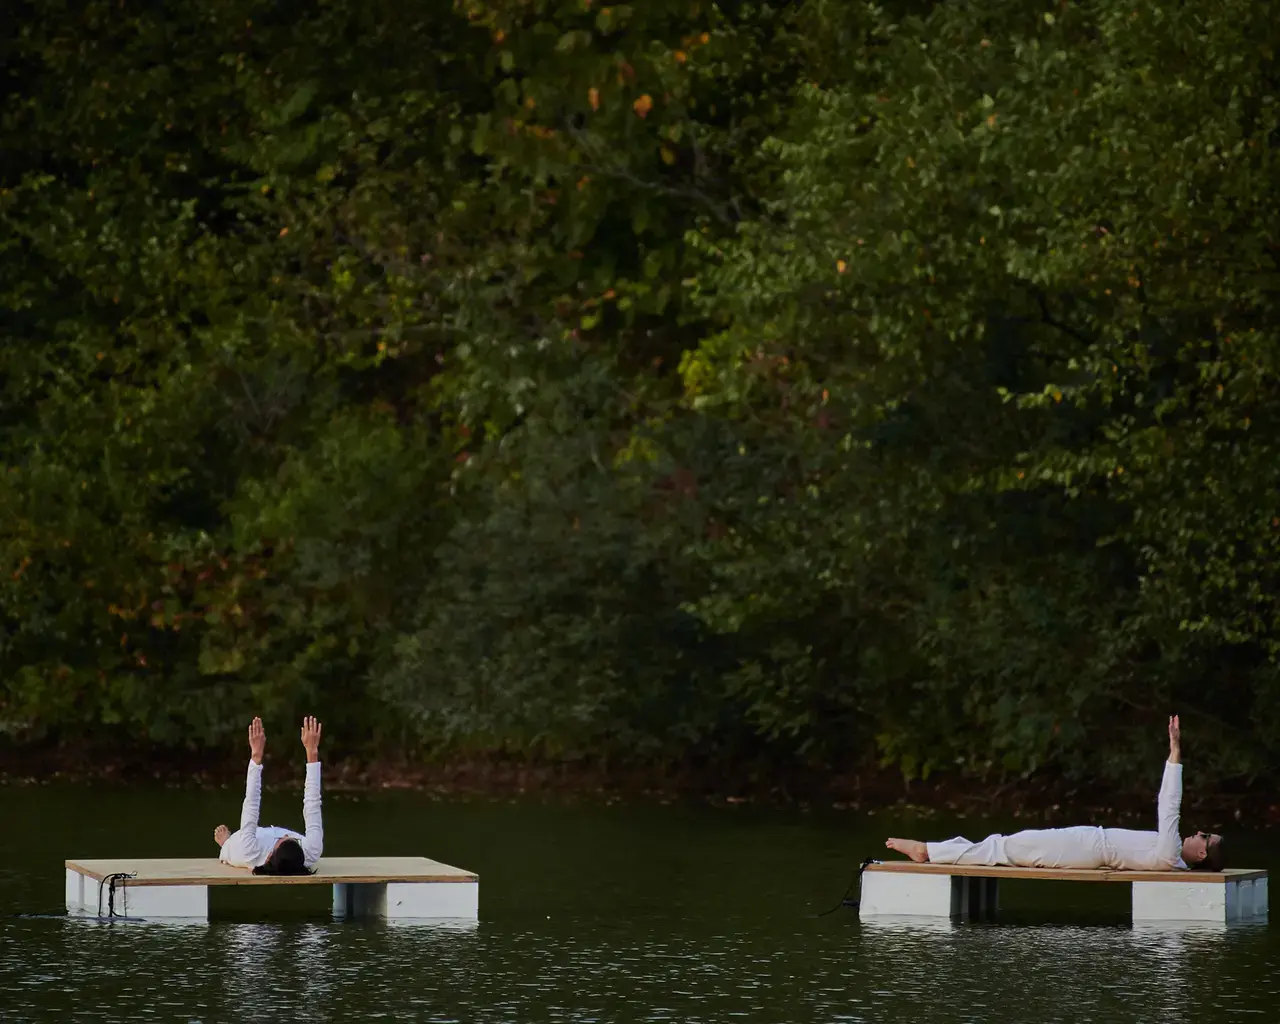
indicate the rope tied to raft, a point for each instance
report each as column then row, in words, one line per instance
column 110, row 881
column 856, row 880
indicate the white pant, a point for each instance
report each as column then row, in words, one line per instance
column 1078, row 847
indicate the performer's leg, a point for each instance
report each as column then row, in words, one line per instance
column 989, row 852
column 1077, row 847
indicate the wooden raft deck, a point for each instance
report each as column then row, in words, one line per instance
column 397, row 888
column 329, row 871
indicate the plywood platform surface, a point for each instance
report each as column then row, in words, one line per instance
column 207, row 871
column 1070, row 874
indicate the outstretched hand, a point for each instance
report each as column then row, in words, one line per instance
column 257, row 740
column 1175, row 740
column 311, row 737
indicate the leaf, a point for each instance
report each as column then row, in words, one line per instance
column 297, row 103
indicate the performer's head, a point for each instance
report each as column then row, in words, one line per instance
column 286, row 859
column 1203, row 851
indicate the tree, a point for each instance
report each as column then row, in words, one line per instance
column 1013, row 260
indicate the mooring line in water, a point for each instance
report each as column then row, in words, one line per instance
column 110, row 881
column 855, row 880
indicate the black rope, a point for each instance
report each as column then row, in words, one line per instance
column 855, row 880
column 110, row 882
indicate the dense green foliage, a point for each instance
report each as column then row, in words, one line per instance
column 805, row 386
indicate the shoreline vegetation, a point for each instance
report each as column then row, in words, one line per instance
column 1033, row 801
column 714, row 384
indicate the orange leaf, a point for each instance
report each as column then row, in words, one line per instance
column 593, row 97
column 643, row 105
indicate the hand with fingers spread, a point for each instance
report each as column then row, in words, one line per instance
column 257, row 740
column 1175, row 740
column 311, row 737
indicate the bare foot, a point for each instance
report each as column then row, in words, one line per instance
column 913, row 848
column 221, row 834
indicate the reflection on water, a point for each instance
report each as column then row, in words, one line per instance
column 1047, row 973
column 610, row 972
column 615, row 916
column 256, row 958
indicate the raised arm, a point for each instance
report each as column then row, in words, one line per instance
column 313, row 840
column 1169, row 803
column 252, row 790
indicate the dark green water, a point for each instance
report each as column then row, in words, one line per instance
column 589, row 914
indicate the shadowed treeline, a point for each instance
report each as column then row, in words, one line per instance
column 803, row 385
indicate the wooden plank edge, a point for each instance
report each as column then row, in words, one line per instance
column 248, row 878
column 251, row 879
column 1070, row 874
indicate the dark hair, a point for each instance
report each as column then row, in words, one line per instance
column 1213, row 859
column 285, row 859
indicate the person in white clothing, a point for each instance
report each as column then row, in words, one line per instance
column 1088, row 846
column 273, row 850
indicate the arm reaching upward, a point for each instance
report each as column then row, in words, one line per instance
column 252, row 797
column 252, row 791
column 1169, row 803
column 313, row 840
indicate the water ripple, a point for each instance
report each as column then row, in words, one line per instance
column 54, row 970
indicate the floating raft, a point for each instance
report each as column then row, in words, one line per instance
column 395, row 888
column 966, row 890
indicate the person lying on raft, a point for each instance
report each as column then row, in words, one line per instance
column 273, row 850
column 1087, row 846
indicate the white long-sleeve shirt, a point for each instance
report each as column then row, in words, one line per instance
column 1128, row 849
column 251, row 845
